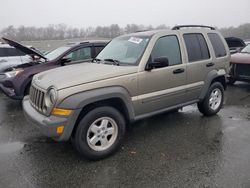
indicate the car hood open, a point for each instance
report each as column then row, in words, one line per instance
column 72, row 75
column 240, row 58
column 24, row 49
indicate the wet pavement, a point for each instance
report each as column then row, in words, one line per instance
column 182, row 149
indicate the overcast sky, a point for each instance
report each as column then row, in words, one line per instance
column 84, row 13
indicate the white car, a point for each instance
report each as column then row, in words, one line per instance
column 11, row 57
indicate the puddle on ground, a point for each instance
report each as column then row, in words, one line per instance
column 189, row 109
column 11, row 147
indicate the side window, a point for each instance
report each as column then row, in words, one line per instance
column 196, row 47
column 80, row 54
column 14, row 52
column 98, row 49
column 167, row 46
column 3, row 52
column 218, row 46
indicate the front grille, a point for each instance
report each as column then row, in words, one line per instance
column 243, row 70
column 37, row 98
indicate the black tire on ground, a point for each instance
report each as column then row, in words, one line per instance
column 84, row 134
column 204, row 106
column 231, row 81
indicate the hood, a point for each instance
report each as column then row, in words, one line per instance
column 241, row 58
column 23, row 48
column 72, row 75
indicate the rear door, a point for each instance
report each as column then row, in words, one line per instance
column 199, row 63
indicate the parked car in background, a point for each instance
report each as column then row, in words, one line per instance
column 11, row 57
column 235, row 44
column 135, row 76
column 240, row 66
column 16, row 83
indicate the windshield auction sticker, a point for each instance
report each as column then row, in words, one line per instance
column 135, row 40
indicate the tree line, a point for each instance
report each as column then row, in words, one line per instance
column 62, row 31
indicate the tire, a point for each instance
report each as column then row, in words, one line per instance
column 213, row 101
column 231, row 81
column 99, row 133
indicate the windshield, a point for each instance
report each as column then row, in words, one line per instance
column 57, row 52
column 246, row 49
column 125, row 50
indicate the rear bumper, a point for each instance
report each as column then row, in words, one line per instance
column 48, row 125
column 10, row 92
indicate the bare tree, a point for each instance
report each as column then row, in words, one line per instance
column 62, row 31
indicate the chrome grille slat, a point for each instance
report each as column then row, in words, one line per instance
column 37, row 98
column 40, row 101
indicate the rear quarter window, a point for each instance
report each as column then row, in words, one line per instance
column 218, row 46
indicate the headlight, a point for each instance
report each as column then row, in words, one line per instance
column 50, row 98
column 13, row 73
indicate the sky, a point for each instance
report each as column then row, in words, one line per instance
column 85, row 13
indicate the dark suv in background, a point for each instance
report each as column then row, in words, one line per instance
column 16, row 83
column 235, row 44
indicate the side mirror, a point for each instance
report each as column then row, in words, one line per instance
column 157, row 63
column 65, row 60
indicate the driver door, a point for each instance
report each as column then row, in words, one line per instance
column 163, row 87
column 80, row 55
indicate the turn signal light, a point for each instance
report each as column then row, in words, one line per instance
column 61, row 112
column 59, row 130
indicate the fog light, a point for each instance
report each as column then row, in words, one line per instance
column 61, row 112
column 59, row 130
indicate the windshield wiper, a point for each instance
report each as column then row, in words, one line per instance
column 96, row 60
column 114, row 61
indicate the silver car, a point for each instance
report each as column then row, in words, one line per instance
column 10, row 57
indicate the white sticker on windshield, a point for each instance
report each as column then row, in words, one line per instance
column 135, row 40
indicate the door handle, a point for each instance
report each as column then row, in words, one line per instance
column 178, row 71
column 209, row 64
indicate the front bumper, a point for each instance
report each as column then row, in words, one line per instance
column 240, row 72
column 48, row 125
column 10, row 92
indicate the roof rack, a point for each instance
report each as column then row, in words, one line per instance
column 143, row 30
column 77, row 42
column 181, row 26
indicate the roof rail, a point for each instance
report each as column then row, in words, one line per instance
column 143, row 30
column 181, row 26
column 77, row 42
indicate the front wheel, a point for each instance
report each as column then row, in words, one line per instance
column 99, row 133
column 213, row 101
